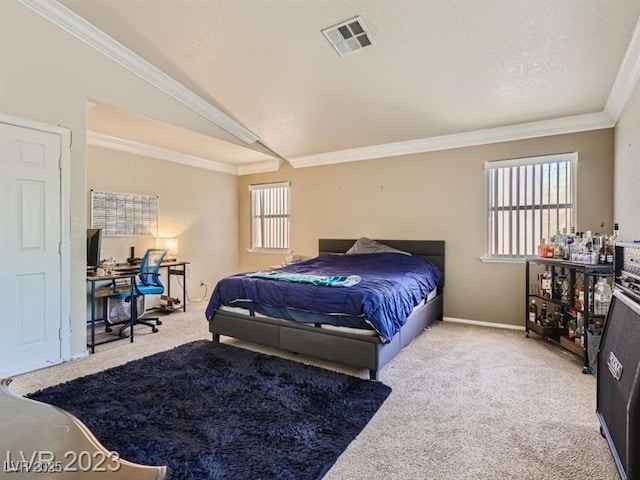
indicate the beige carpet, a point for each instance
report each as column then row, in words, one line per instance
column 467, row 403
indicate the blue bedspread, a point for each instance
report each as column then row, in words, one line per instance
column 391, row 286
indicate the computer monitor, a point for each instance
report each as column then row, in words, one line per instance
column 94, row 238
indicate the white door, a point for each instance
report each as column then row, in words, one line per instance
column 30, row 246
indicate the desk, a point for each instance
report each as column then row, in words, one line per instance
column 131, row 277
column 174, row 268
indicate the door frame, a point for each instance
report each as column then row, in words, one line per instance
column 65, row 225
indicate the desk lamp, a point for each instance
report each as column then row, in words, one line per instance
column 170, row 244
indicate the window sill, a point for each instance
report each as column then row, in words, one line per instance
column 502, row 260
column 281, row 252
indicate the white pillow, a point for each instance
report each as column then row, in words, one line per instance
column 365, row 245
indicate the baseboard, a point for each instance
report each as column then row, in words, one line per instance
column 77, row 356
column 483, row 324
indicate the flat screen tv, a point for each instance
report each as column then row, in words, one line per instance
column 94, row 239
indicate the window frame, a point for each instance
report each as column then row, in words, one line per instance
column 282, row 230
column 491, row 205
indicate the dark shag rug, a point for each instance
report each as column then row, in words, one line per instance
column 213, row 411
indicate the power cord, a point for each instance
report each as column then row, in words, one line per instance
column 188, row 299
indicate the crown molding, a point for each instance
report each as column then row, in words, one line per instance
column 262, row 167
column 627, row 78
column 129, row 146
column 77, row 26
column 545, row 128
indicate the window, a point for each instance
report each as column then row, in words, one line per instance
column 528, row 199
column 270, row 216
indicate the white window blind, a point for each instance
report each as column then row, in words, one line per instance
column 270, row 216
column 528, row 199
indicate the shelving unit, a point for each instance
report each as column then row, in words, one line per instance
column 577, row 274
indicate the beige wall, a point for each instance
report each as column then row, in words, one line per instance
column 627, row 169
column 437, row 195
column 195, row 206
column 46, row 75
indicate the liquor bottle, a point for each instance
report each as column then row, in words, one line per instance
column 572, row 325
column 578, row 298
column 533, row 312
column 542, row 248
column 543, row 314
column 558, row 246
column 580, row 327
column 601, row 297
column 571, row 244
column 567, row 315
column 564, row 291
column 550, row 248
column 616, row 234
column 557, row 318
column 598, row 244
column 559, row 283
column 546, row 283
column 576, row 250
column 611, row 244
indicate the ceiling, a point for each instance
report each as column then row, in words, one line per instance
column 440, row 72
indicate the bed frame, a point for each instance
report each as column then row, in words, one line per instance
column 337, row 346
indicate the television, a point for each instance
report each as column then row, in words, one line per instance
column 94, row 238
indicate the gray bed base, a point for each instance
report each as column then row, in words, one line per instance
column 337, row 346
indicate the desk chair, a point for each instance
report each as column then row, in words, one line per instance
column 147, row 283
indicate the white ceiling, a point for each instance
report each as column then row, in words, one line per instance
column 441, row 72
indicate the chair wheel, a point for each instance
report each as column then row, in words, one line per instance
column 108, row 329
column 154, row 330
column 158, row 322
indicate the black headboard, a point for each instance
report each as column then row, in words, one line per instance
column 432, row 250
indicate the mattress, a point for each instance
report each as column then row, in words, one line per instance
column 366, row 329
column 389, row 286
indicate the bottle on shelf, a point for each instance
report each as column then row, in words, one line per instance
column 572, row 244
column 542, row 248
column 599, row 242
column 578, row 299
column 576, row 250
column 533, row 312
column 558, row 245
column 611, row 245
column 566, row 289
column 551, row 248
column 572, row 325
column 601, row 296
column 567, row 316
column 561, row 286
column 545, row 284
column 579, row 334
column 565, row 245
column 557, row 318
column 543, row 315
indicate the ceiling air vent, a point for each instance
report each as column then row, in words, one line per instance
column 348, row 36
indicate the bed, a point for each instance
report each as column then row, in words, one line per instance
column 369, row 345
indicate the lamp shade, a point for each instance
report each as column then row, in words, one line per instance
column 168, row 243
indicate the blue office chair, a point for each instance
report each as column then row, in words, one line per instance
column 147, row 283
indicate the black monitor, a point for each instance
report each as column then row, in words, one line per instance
column 94, row 238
